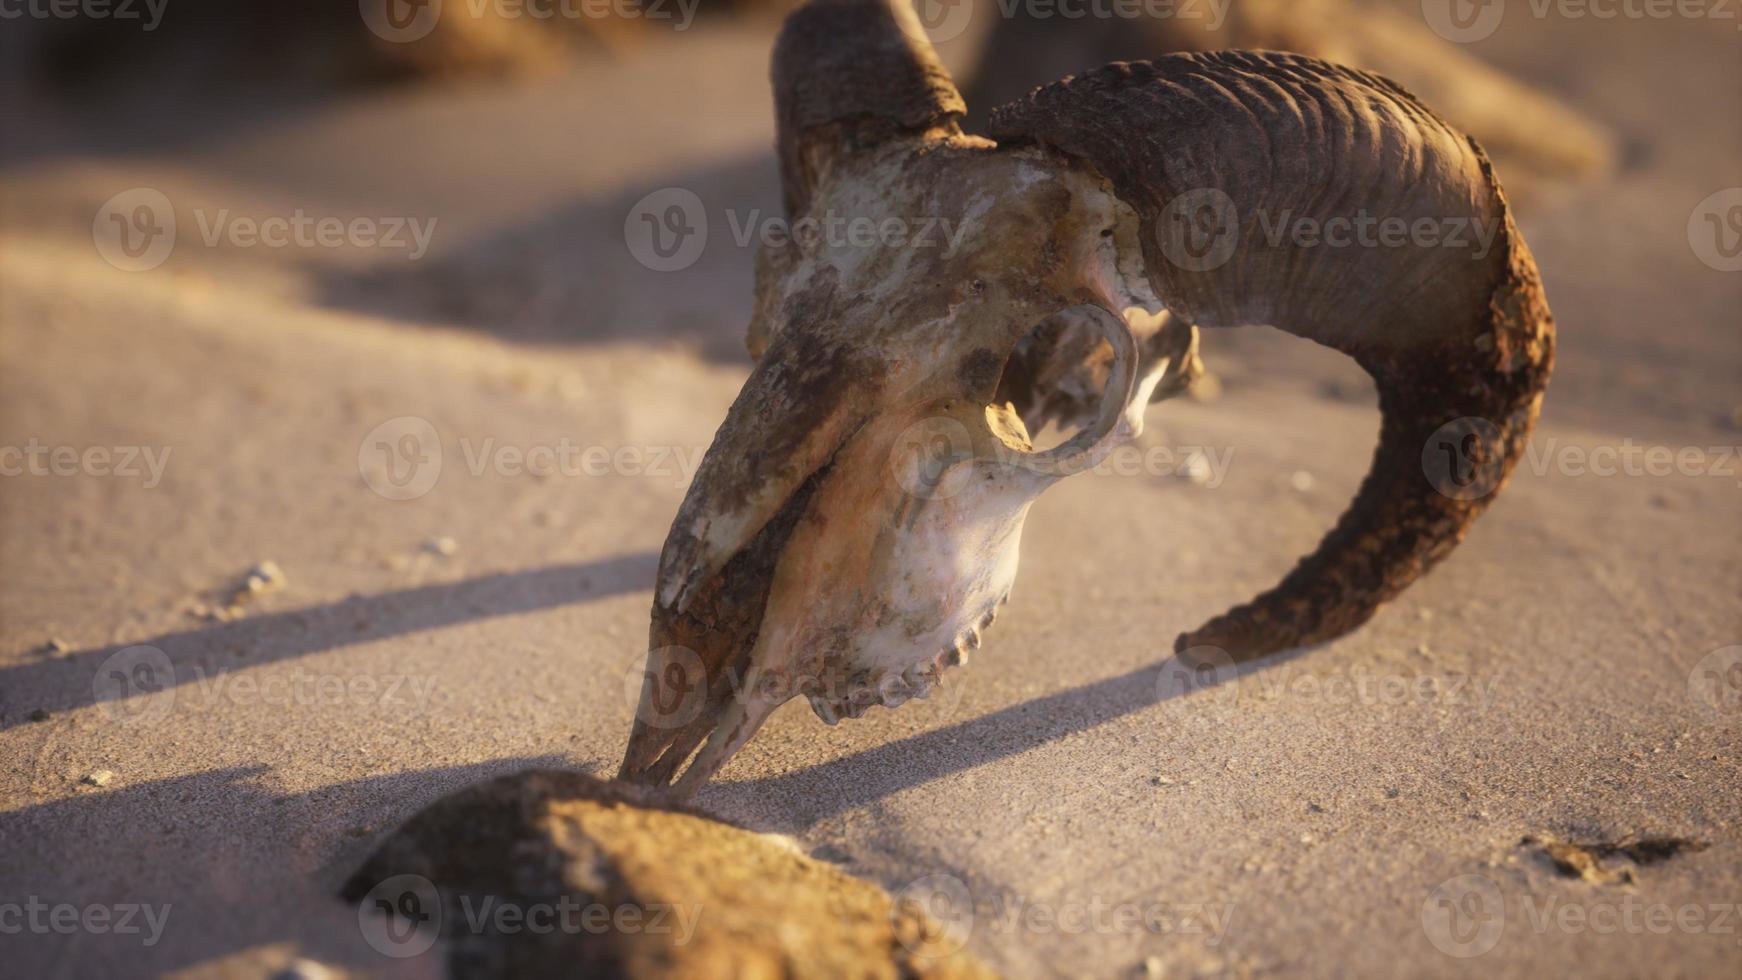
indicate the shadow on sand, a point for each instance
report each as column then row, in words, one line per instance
column 76, row 680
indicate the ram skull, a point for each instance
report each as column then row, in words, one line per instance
column 855, row 524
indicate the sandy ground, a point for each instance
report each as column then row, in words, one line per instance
column 1302, row 818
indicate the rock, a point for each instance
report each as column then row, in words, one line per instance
column 443, row 546
column 263, row 579
column 38, row 714
column 99, row 777
column 631, row 888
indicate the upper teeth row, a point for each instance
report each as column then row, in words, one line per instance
column 892, row 690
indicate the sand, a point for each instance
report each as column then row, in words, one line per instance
column 1318, row 814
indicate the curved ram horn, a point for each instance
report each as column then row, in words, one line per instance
column 1212, row 151
column 849, row 74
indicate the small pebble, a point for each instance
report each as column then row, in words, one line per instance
column 1301, row 480
column 443, row 546
column 264, row 578
column 99, row 777
column 38, row 714
column 1197, row 469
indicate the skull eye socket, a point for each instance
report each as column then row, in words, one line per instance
column 1053, row 379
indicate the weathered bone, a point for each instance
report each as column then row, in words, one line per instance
column 818, row 555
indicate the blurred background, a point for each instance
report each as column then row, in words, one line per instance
column 257, row 242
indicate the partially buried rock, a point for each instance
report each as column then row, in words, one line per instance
column 549, row 873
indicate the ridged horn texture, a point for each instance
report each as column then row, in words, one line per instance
column 849, row 74
column 1217, row 151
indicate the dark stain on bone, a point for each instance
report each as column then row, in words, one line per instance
column 981, row 370
column 1586, row 860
